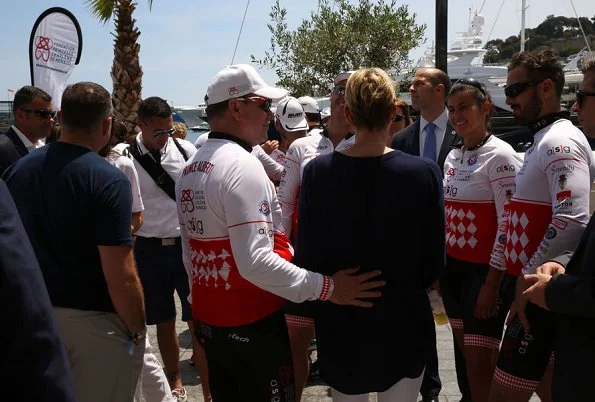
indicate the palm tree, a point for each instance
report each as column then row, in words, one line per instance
column 126, row 71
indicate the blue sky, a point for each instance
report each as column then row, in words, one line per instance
column 185, row 42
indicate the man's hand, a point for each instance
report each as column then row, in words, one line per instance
column 536, row 291
column 350, row 288
column 269, row 146
column 519, row 304
column 487, row 302
column 550, row 268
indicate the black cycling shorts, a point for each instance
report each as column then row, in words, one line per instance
column 250, row 362
column 524, row 356
column 460, row 286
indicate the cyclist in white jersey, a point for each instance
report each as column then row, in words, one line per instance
column 235, row 250
column 547, row 215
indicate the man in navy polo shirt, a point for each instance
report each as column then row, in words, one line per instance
column 76, row 209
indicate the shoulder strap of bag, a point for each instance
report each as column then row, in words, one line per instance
column 154, row 169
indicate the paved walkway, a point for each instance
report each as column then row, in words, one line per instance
column 318, row 393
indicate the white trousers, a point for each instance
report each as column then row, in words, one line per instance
column 152, row 385
column 406, row 390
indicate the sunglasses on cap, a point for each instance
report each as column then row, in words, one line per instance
column 581, row 95
column 263, row 103
column 339, row 90
column 168, row 132
column 474, row 83
column 514, row 90
column 41, row 113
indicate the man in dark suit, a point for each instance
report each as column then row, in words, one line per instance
column 432, row 136
column 33, row 120
column 31, row 351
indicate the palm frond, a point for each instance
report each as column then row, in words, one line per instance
column 103, row 9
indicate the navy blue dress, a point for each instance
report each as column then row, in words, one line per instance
column 386, row 213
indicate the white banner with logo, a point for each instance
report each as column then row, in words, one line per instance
column 54, row 49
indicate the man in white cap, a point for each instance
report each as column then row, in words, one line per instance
column 236, row 253
column 291, row 123
column 335, row 137
column 312, row 111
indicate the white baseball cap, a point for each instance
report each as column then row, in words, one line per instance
column 324, row 113
column 238, row 80
column 342, row 76
column 309, row 104
column 291, row 115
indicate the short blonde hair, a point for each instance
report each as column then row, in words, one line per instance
column 181, row 130
column 370, row 97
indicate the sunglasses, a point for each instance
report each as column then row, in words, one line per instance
column 514, row 90
column 339, row 90
column 399, row 117
column 41, row 113
column 474, row 83
column 581, row 95
column 263, row 103
column 168, row 132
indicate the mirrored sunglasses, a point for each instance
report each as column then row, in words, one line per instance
column 168, row 132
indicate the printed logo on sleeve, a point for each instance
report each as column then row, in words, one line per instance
column 472, row 160
column 559, row 149
column 264, row 208
column 505, row 168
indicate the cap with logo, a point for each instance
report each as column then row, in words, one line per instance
column 291, row 115
column 239, row 80
column 309, row 104
column 342, row 76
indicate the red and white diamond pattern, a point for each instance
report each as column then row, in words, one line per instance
column 517, row 238
column 210, row 269
column 462, row 228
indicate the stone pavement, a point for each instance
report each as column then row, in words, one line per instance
column 316, row 392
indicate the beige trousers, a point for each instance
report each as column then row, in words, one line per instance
column 104, row 367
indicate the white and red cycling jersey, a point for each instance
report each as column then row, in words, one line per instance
column 232, row 239
column 299, row 153
column 278, row 156
column 550, row 208
column 478, row 183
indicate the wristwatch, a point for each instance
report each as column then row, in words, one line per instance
column 136, row 336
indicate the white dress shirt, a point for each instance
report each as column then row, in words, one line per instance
column 440, row 129
column 28, row 144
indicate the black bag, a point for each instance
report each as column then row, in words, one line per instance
column 154, row 169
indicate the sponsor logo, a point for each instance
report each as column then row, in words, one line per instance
column 264, row 207
column 505, row 168
column 293, row 115
column 187, row 200
column 559, row 149
column 265, row 232
column 238, row 338
column 551, row 233
column 450, row 173
column 451, row 190
column 563, row 195
column 472, row 160
column 508, row 195
column 199, row 200
column 562, row 181
column 502, row 239
column 202, row 166
column 559, row 223
column 195, row 226
column 565, row 168
column 43, row 46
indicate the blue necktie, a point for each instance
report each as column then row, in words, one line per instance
column 430, row 142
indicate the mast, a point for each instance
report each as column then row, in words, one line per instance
column 523, row 9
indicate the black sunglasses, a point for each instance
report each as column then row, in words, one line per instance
column 474, row 83
column 41, row 113
column 514, row 90
column 399, row 117
column 159, row 133
column 581, row 95
column 339, row 90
